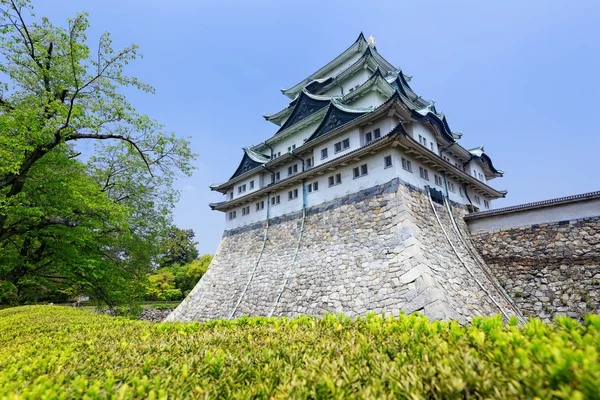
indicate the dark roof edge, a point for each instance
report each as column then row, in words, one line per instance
column 538, row 204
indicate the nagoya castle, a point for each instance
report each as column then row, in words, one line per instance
column 355, row 204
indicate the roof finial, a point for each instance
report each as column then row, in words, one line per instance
column 371, row 41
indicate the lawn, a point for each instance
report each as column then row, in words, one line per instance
column 59, row 352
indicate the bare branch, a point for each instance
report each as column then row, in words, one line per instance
column 111, row 136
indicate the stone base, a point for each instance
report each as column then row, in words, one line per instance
column 378, row 250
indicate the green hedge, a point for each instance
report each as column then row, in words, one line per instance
column 58, row 352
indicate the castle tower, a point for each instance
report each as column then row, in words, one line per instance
column 354, row 205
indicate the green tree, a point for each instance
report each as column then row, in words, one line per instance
column 69, row 223
column 178, row 247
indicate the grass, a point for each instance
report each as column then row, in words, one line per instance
column 59, row 352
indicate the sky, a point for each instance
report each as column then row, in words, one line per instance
column 520, row 77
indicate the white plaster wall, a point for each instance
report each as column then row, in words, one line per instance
column 257, row 178
column 371, row 99
column 543, row 215
column 377, row 174
column 296, row 138
column 472, row 195
column 351, row 81
column 420, row 129
column 477, row 167
column 287, row 206
column 241, row 220
column 352, row 134
column 456, row 197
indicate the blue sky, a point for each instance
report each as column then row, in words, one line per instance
column 520, row 77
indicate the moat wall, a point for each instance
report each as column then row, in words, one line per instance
column 546, row 254
column 378, row 250
column 549, row 269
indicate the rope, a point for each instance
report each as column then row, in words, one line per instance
column 255, row 265
column 290, row 269
column 483, row 266
column 460, row 258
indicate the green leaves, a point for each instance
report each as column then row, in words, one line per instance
column 71, row 225
column 51, row 352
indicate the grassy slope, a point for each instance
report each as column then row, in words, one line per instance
column 57, row 352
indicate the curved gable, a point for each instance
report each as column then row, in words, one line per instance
column 304, row 106
column 250, row 161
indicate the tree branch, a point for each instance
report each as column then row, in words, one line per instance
column 111, row 136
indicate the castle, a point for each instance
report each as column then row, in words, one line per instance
column 356, row 204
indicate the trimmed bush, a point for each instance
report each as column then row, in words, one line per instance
column 56, row 352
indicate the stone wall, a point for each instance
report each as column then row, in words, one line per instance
column 378, row 250
column 548, row 269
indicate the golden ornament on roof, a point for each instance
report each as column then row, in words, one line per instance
column 371, row 41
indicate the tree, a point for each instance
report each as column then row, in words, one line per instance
column 178, row 247
column 174, row 282
column 79, row 224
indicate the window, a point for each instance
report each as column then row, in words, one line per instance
column 276, row 177
column 292, row 147
column 477, row 199
column 343, row 145
column 313, row 187
column 462, row 192
column 242, row 189
column 260, row 205
column 474, row 174
column 309, row 162
column 230, row 195
column 323, row 154
column 480, row 177
column 368, row 137
column 486, row 203
column 246, row 210
column 360, row 171
column 335, row 179
column 431, row 144
column 275, row 200
column 293, row 169
column 452, row 187
column 377, row 133
column 387, row 161
column 424, row 173
column 438, row 180
column 406, row 164
column 423, row 140
column 232, row 215
column 293, row 194
column 251, row 184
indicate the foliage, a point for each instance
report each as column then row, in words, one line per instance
column 178, row 247
column 53, row 352
column 71, row 223
column 176, row 281
column 8, row 293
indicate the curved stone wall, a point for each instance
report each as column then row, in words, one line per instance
column 378, row 250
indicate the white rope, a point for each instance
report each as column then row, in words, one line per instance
column 290, row 269
column 255, row 265
column 460, row 258
column 483, row 266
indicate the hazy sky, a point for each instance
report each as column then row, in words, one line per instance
column 520, row 77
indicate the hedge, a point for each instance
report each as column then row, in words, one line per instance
column 57, row 352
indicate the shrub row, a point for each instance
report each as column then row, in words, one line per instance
column 58, row 352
